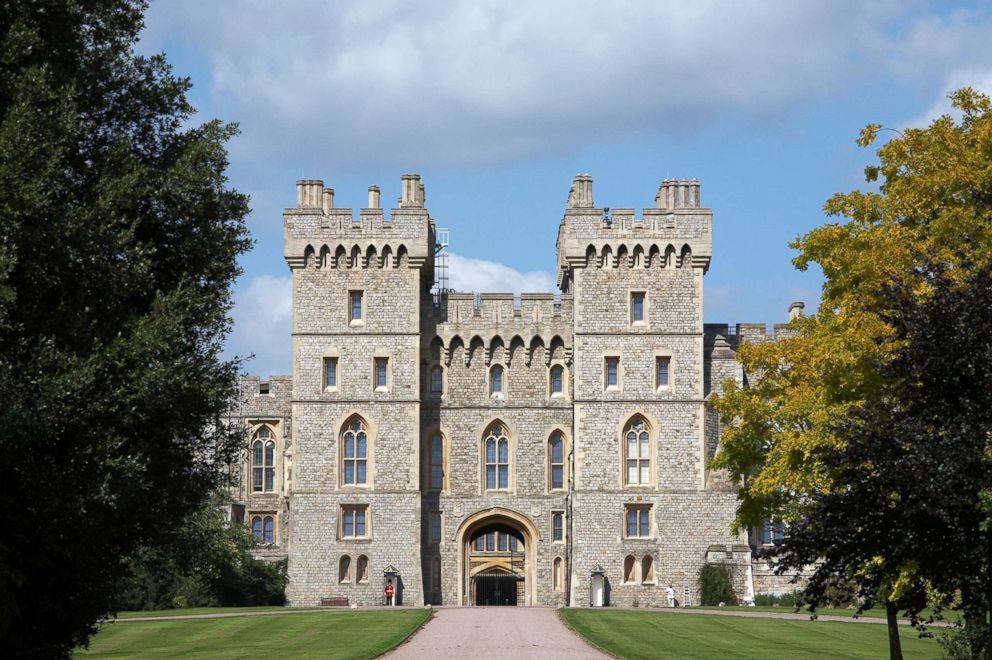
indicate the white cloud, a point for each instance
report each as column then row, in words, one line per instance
column 978, row 79
column 474, row 81
column 263, row 313
column 478, row 275
column 263, row 308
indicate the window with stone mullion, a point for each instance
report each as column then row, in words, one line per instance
column 638, row 455
column 355, row 455
column 497, row 457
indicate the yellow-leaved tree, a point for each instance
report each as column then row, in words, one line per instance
column 934, row 204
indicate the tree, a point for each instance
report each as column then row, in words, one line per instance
column 207, row 561
column 908, row 511
column 119, row 238
column 934, row 203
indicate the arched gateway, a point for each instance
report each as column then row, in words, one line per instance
column 496, row 558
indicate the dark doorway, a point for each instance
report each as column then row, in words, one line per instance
column 495, row 590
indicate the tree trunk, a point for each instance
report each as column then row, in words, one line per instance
column 891, row 618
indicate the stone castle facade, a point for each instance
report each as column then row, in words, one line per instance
column 490, row 449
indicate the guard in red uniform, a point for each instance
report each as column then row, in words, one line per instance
column 389, row 593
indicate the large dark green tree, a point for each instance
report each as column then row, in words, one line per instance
column 909, row 514
column 119, row 236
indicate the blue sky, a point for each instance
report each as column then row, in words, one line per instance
column 498, row 105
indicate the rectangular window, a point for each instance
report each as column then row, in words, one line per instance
column 355, row 304
column 557, row 526
column 771, row 532
column 480, row 543
column 513, row 544
column 612, row 372
column 381, row 373
column 437, row 380
column 557, row 372
column 638, row 521
column 435, row 526
column 501, row 545
column 490, row 541
column 353, row 521
column 661, row 371
column 637, row 307
column 330, row 372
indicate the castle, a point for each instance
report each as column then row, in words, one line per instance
column 537, row 449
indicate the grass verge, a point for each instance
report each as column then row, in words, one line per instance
column 627, row 634
column 347, row 634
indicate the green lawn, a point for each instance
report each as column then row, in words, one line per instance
column 950, row 616
column 208, row 610
column 312, row 635
column 629, row 634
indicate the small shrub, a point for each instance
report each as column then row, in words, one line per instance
column 716, row 585
column 966, row 643
column 777, row 600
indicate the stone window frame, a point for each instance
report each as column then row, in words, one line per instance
column 261, row 516
column 431, row 369
column 426, row 458
column 638, row 507
column 362, row 308
column 618, row 387
column 344, row 569
column 561, row 515
column 648, row 575
column 564, row 461
column 504, row 384
column 377, row 359
column 664, row 354
column 557, row 574
column 263, row 443
column 643, row 323
column 253, row 427
column 563, row 395
column 354, row 507
column 437, row 515
column 510, row 436
column 631, row 570
column 370, row 438
column 623, row 430
column 331, row 358
column 362, row 569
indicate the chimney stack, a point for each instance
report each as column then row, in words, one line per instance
column 328, row 200
column 580, row 196
column 411, row 191
column 309, row 193
column 373, row 197
column 796, row 310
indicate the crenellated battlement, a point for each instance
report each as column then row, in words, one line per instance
column 487, row 320
column 318, row 234
column 676, row 232
column 724, row 335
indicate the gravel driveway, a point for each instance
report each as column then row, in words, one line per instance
column 495, row 632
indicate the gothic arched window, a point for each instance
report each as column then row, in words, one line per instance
column 354, row 453
column 263, row 461
column 497, row 457
column 556, row 461
column 637, row 453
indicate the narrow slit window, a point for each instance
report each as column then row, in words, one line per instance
column 496, row 381
column 557, row 526
column 437, row 463
column 612, row 372
column 330, row 372
column 355, row 303
column 637, row 307
column 435, row 526
column 557, row 378
column 437, row 380
column 381, row 373
column 662, row 365
column 556, row 458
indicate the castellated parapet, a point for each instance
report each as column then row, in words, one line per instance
column 498, row 447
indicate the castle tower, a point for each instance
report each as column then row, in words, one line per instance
column 357, row 289
column 641, row 508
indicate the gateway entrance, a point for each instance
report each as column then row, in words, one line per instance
column 496, row 589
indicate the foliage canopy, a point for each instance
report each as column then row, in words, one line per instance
column 118, row 245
